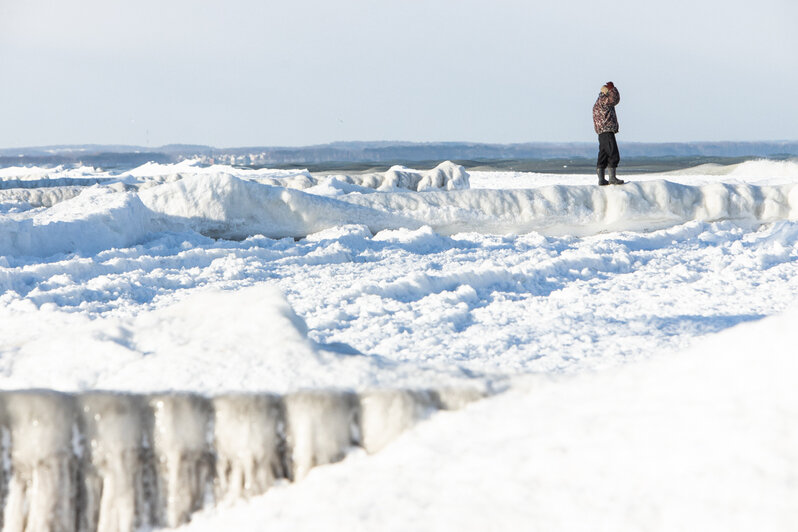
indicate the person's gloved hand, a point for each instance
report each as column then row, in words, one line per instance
column 604, row 90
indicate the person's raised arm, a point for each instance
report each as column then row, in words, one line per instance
column 613, row 96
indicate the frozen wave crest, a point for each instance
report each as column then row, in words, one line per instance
column 226, row 206
column 28, row 198
column 99, row 218
column 585, row 210
column 445, row 176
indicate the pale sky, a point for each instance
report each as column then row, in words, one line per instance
column 246, row 72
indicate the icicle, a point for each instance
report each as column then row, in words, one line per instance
column 114, row 462
column 181, row 436
column 248, row 444
column 42, row 489
column 385, row 414
column 321, row 426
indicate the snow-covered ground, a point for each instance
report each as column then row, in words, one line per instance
column 702, row 440
column 214, row 279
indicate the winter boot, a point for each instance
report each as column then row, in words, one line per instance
column 600, row 173
column 614, row 180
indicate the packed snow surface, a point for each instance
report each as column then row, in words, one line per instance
column 702, row 440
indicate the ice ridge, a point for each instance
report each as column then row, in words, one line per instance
column 230, row 207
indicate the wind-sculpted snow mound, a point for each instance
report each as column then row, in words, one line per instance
column 228, row 207
column 20, row 177
column 217, row 206
column 29, row 198
column 445, row 176
column 153, row 174
column 97, row 219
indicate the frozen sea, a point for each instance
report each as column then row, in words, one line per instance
column 639, row 338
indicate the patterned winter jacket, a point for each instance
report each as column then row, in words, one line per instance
column 604, row 118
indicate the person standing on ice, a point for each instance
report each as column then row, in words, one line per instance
column 605, row 122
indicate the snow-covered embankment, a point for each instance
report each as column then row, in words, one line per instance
column 230, row 207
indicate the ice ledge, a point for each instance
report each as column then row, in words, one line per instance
column 109, row 461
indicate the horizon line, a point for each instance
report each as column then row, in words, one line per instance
column 385, row 142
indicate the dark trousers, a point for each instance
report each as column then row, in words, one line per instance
column 608, row 151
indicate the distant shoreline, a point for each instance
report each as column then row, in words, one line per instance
column 575, row 157
column 636, row 165
column 630, row 165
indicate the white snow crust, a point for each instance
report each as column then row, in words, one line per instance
column 213, row 340
column 704, row 439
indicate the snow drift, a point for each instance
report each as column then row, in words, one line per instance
column 30, row 198
column 215, row 341
column 445, row 176
column 99, row 218
column 225, row 206
column 228, row 207
column 585, row 210
column 703, row 439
